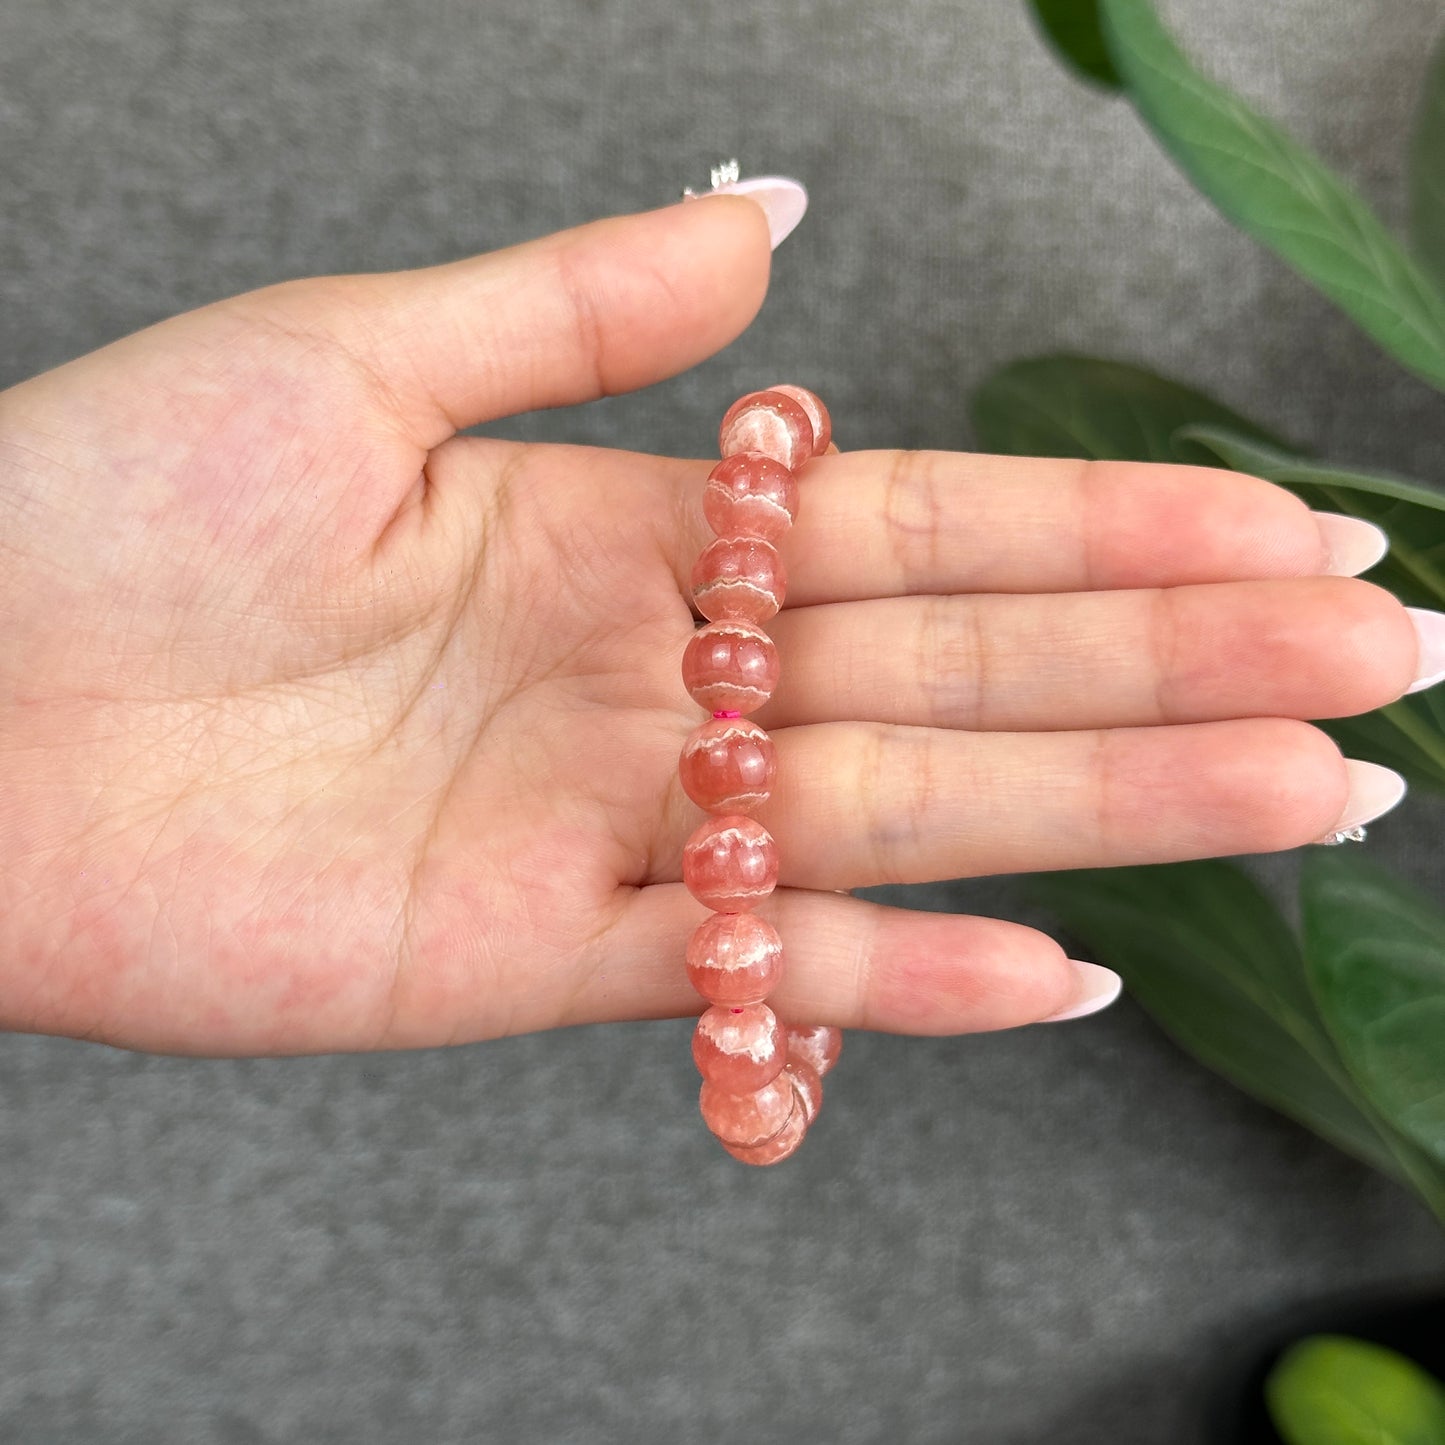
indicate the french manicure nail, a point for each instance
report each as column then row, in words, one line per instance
column 1374, row 790
column 1430, row 629
column 783, row 201
column 1098, row 987
column 1352, row 546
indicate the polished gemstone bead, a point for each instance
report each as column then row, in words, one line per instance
column 750, row 495
column 808, row 1084
column 748, row 1119
column 818, row 417
column 730, row 667
column 730, row 863
column 739, row 1049
column 739, row 577
column 779, row 1147
column 815, row 1044
column 767, row 422
column 735, row 959
column 728, row 765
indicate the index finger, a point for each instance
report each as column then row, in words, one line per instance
column 895, row 523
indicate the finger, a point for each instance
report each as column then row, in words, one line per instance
column 850, row 963
column 884, row 524
column 600, row 309
column 860, row 804
column 1304, row 648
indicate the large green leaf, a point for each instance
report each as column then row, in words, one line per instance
column 1073, row 28
column 1210, row 957
column 1408, row 734
column 1375, row 954
column 1329, row 1390
column 1081, row 406
column 1277, row 191
column 1427, row 170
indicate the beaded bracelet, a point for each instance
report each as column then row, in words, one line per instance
column 762, row 1080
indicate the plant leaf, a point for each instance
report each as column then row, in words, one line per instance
column 1072, row 27
column 1273, row 188
column 1427, row 170
column 1375, row 954
column 1409, row 734
column 1083, row 406
column 1210, row 957
column 1330, row 1390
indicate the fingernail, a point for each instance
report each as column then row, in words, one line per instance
column 783, row 202
column 1373, row 792
column 1430, row 629
column 1098, row 987
column 1352, row 546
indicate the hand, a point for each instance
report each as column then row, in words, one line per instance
column 322, row 727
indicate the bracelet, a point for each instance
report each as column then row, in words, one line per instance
column 762, row 1080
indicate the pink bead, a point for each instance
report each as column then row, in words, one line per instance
column 816, row 1044
column 750, row 495
column 739, row 577
column 728, row 765
column 739, row 1049
column 730, row 863
column 808, row 1084
column 748, row 1119
column 730, row 667
column 818, row 417
column 767, row 422
column 773, row 1151
column 735, row 959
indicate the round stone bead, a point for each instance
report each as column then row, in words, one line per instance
column 748, row 1119
column 735, row 959
column 779, row 1147
column 767, row 422
column 818, row 417
column 728, row 765
column 750, row 495
column 817, row 1045
column 808, row 1084
column 730, row 667
column 739, row 1049
column 739, row 577
column 730, row 863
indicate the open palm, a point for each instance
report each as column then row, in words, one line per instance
column 323, row 727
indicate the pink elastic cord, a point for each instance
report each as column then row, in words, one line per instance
column 727, row 714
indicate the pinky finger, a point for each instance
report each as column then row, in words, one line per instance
column 850, row 963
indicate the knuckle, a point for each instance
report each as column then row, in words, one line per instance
column 913, row 518
column 952, row 664
column 898, row 782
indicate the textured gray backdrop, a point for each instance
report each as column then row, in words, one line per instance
column 1039, row 1237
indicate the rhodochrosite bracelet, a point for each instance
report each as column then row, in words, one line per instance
column 762, row 1079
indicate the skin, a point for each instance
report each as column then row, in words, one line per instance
column 323, row 728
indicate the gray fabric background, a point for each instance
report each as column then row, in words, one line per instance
column 1040, row 1237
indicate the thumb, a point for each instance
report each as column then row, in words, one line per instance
column 604, row 308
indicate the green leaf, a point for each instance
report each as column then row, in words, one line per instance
column 1082, row 406
column 1427, row 170
column 1375, row 952
column 1329, row 1390
column 1210, row 957
column 1409, row 734
column 1278, row 192
column 1072, row 26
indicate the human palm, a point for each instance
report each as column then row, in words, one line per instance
column 325, row 727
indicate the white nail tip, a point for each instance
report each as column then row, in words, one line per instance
column 1430, row 630
column 783, row 201
column 1374, row 790
column 1352, row 545
column 1098, row 988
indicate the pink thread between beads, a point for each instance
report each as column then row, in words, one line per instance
column 727, row 714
